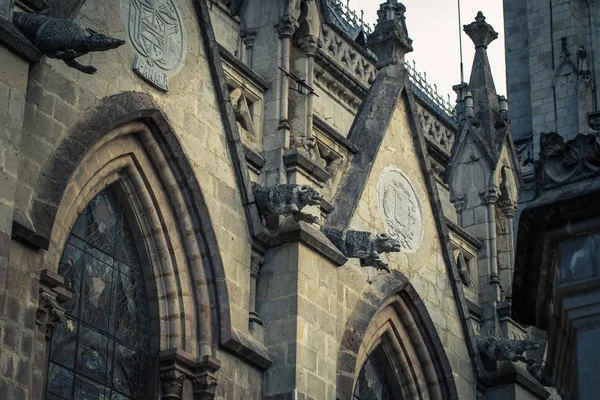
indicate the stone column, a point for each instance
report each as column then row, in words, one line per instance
column 248, row 37
column 304, row 111
column 491, row 197
column 459, row 202
column 256, row 262
column 508, row 208
column 286, row 27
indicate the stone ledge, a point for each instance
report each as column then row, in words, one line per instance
column 294, row 159
column 248, row 348
column 255, row 159
column 334, row 134
column 463, row 234
column 311, row 237
column 23, row 230
column 258, row 80
column 509, row 373
column 14, row 40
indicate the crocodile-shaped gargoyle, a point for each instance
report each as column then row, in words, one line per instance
column 63, row 39
column 365, row 246
column 497, row 348
column 286, row 199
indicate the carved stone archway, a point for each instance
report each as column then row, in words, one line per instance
column 392, row 314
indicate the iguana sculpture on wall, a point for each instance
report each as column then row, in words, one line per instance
column 364, row 245
column 286, row 199
column 63, row 39
column 496, row 348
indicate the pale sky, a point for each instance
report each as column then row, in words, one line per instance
column 433, row 27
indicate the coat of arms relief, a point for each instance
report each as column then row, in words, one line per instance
column 156, row 32
column 399, row 208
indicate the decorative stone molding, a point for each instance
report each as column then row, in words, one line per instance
column 459, row 202
column 480, row 32
column 248, row 36
column 438, row 132
column 390, row 41
column 563, row 163
column 176, row 365
column 49, row 313
column 205, row 382
column 347, row 57
column 286, row 26
column 364, row 246
column 171, row 383
column 491, row 194
column 525, row 158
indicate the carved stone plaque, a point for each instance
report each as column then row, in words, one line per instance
column 155, row 31
column 400, row 209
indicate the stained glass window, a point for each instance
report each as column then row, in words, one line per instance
column 372, row 383
column 102, row 351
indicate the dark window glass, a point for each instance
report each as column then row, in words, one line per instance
column 372, row 383
column 102, row 351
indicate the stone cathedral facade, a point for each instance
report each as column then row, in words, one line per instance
column 213, row 199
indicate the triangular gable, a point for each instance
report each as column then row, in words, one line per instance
column 368, row 133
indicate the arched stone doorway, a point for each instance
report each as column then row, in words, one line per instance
column 390, row 349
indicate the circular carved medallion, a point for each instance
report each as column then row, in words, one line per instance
column 156, row 33
column 400, row 209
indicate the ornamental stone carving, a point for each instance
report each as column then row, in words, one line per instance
column 565, row 162
column 400, row 209
column 286, row 199
column 494, row 347
column 49, row 313
column 436, row 130
column 172, row 384
column 205, row 387
column 156, row 33
column 63, row 39
column 347, row 57
column 363, row 245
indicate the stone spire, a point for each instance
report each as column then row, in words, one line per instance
column 481, row 83
column 390, row 41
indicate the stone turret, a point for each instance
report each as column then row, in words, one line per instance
column 484, row 176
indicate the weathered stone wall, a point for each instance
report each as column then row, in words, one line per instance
column 57, row 96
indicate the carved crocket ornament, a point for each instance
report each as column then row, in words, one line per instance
column 63, row 39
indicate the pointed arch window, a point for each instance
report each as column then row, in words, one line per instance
column 103, row 349
column 375, row 378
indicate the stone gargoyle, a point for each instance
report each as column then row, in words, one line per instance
column 63, row 39
column 365, row 246
column 286, row 199
column 497, row 348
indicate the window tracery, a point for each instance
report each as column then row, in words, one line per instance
column 102, row 350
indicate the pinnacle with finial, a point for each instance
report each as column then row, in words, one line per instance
column 480, row 32
column 390, row 41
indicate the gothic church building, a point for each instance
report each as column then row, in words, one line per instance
column 244, row 199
